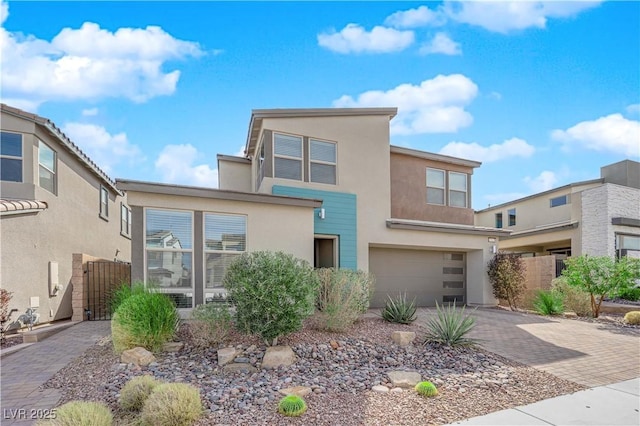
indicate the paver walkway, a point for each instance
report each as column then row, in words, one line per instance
column 23, row 372
column 591, row 354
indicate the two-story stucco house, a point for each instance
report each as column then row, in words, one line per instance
column 326, row 186
column 55, row 202
column 599, row 217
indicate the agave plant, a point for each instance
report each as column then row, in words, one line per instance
column 426, row 389
column 292, row 406
column 450, row 326
column 400, row 311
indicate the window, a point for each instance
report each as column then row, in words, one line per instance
column 287, row 159
column 46, row 167
column 260, row 174
column 628, row 242
column 322, row 162
column 435, row 186
column 104, row 203
column 559, row 201
column 11, row 157
column 498, row 220
column 457, row 189
column 225, row 238
column 169, row 253
column 512, row 217
column 125, row 220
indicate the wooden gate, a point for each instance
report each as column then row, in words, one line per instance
column 101, row 279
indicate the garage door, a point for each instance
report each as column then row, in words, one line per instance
column 429, row 276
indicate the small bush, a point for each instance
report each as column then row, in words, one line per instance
column 629, row 293
column 81, row 413
column 147, row 319
column 123, row 292
column 343, row 296
column 134, row 394
column 272, row 292
column 450, row 326
column 507, row 275
column 632, row 317
column 172, row 404
column 573, row 298
column 292, row 406
column 548, row 303
column 426, row 389
column 210, row 324
column 399, row 311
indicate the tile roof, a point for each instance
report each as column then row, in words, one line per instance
column 21, row 206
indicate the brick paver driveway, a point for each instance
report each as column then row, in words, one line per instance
column 591, row 354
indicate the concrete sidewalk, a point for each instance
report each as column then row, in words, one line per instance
column 617, row 404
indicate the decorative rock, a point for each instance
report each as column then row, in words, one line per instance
column 172, row 346
column 237, row 367
column 241, row 360
column 570, row 314
column 138, row 356
column 380, row 389
column 300, row 391
column 226, row 355
column 396, row 390
column 403, row 338
column 277, row 356
column 334, row 344
column 404, row 379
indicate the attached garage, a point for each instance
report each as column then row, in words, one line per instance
column 429, row 276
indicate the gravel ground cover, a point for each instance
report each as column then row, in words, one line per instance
column 340, row 369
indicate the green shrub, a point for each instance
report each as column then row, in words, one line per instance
column 450, row 326
column 172, row 404
column 81, row 413
column 272, row 292
column 426, row 389
column 548, row 303
column 134, row 394
column 507, row 276
column 574, row 299
column 629, row 293
column 123, row 292
column 292, row 406
column 210, row 324
column 632, row 317
column 399, row 311
column 147, row 319
column 343, row 295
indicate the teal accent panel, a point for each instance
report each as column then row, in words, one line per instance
column 340, row 219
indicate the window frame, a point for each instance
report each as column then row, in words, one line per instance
column 288, row 157
column 326, row 163
column 565, row 197
column 499, row 223
column 14, row 157
column 125, row 211
column 465, row 192
column 54, row 172
column 511, row 217
column 104, row 207
column 443, row 188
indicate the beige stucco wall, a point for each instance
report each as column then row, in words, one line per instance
column 70, row 224
column 234, row 175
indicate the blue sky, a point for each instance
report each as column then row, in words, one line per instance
column 543, row 93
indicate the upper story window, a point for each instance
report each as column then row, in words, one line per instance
column 322, row 161
column 457, row 189
column 125, row 220
column 287, row 159
column 559, row 201
column 512, row 217
column 435, row 186
column 498, row 220
column 225, row 238
column 46, row 167
column 104, row 203
column 11, row 157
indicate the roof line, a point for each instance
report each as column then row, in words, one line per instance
column 436, row 157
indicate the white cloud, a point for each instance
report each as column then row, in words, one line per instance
column 514, row 147
column 90, row 63
column 543, row 182
column 612, row 133
column 176, row 165
column 90, row 112
column 4, row 11
column 413, row 18
column 441, row 43
column 495, row 96
column 506, row 16
column 355, row 39
column 240, row 151
column 433, row 106
column 105, row 149
column 495, row 199
column 633, row 109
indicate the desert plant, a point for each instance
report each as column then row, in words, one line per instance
column 630, row 293
column 600, row 276
column 450, row 326
column 292, row 406
column 507, row 274
column 210, row 324
column 398, row 310
column 136, row 391
column 632, row 317
column 343, row 295
column 5, row 298
column 172, row 404
column 548, row 303
column 574, row 299
column 147, row 319
column 81, row 413
column 426, row 389
column 272, row 292
column 123, row 292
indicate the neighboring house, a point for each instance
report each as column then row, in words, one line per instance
column 599, row 217
column 326, row 186
column 55, row 202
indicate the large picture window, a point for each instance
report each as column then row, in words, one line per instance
column 46, row 167
column 435, row 186
column 287, row 159
column 225, row 238
column 169, row 253
column 10, row 157
column 322, row 161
